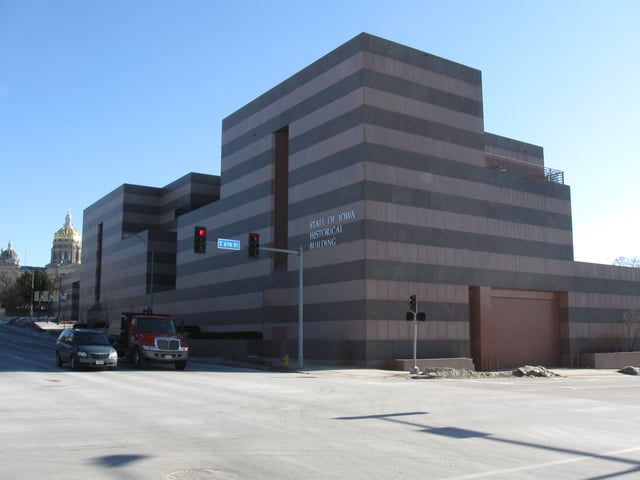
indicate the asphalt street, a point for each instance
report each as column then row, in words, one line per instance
column 215, row 422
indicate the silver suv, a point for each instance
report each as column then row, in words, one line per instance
column 85, row 348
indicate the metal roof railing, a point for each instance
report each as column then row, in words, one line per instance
column 520, row 167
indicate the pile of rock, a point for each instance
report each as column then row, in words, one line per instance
column 444, row 372
column 529, row 371
column 630, row 370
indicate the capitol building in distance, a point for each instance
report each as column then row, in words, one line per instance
column 66, row 257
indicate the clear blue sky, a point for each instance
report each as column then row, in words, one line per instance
column 94, row 94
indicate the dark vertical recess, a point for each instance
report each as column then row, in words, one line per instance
column 281, row 195
column 98, row 263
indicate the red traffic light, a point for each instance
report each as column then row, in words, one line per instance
column 254, row 244
column 200, row 240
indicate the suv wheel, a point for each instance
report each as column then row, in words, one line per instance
column 58, row 360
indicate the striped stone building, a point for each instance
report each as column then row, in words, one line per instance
column 374, row 160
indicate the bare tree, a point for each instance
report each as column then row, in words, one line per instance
column 631, row 319
column 627, row 262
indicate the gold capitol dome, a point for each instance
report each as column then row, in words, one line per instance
column 67, row 244
column 67, row 232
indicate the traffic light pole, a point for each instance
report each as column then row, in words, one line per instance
column 415, row 370
column 300, row 298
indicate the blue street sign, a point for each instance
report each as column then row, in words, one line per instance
column 227, row 244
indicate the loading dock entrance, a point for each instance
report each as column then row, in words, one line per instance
column 512, row 328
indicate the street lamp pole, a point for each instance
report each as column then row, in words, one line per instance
column 151, row 282
column 146, row 242
column 33, row 276
column 59, row 292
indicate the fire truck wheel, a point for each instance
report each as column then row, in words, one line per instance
column 138, row 359
column 181, row 365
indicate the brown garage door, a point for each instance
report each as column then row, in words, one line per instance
column 513, row 328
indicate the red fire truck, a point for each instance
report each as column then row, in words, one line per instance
column 149, row 338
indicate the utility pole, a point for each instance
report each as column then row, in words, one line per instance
column 298, row 252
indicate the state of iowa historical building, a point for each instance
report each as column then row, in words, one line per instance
column 374, row 159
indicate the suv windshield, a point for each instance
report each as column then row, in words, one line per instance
column 90, row 338
column 163, row 325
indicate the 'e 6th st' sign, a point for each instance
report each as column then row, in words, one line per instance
column 324, row 231
column 227, row 244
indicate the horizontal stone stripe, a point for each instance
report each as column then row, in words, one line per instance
column 392, row 194
column 249, row 198
column 391, row 349
column 398, row 232
column 355, row 137
column 414, row 91
column 596, row 315
column 428, row 181
column 443, row 314
column 422, row 75
column 435, row 311
column 401, row 329
column 282, row 293
column 365, row 78
column 187, row 202
column 443, row 220
column 135, row 284
column 337, row 161
column 327, row 112
column 110, row 211
column 222, row 266
column 597, row 270
column 401, row 140
column 330, row 199
column 588, row 300
column 417, row 164
column 258, row 146
column 238, row 319
column 266, row 126
column 141, row 190
column 380, row 47
column 395, row 102
column 433, row 274
column 454, row 203
column 190, row 182
column 450, row 168
column 380, row 269
column 434, row 292
column 512, row 145
column 426, row 254
column 345, row 60
column 248, row 165
column 248, row 180
column 113, row 197
column 343, row 178
column 390, row 120
column 419, row 58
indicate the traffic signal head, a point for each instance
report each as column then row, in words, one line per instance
column 412, row 304
column 254, row 244
column 200, row 240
